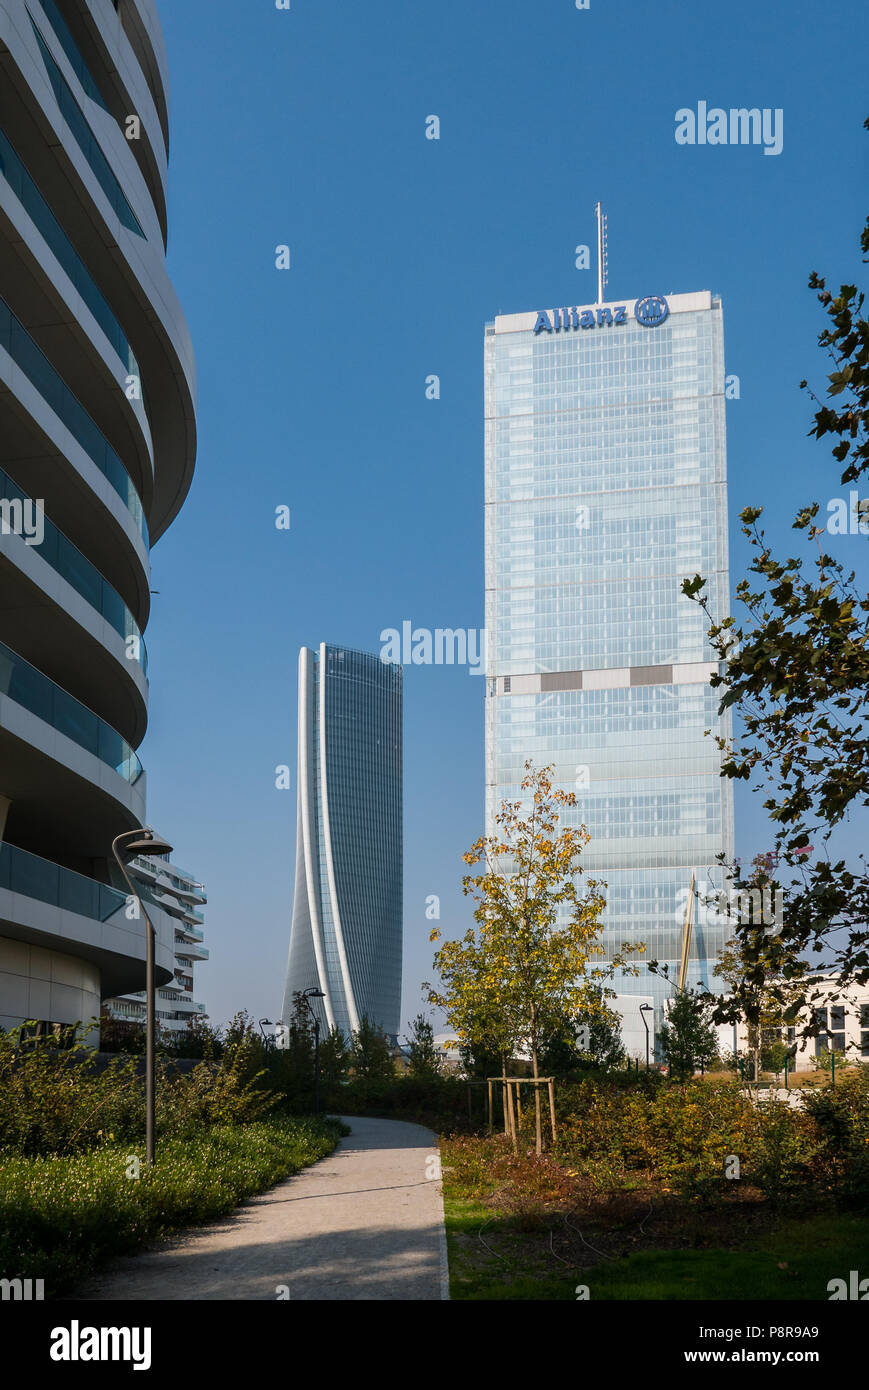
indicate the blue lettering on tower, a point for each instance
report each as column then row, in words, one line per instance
column 563, row 319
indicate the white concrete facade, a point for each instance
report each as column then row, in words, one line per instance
column 97, row 439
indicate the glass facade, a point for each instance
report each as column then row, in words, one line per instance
column 40, row 214
column 87, row 141
column 605, row 488
column 67, row 560
column 33, row 362
column 346, row 936
column 28, row 687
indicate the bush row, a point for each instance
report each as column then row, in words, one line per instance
column 64, row 1099
column 62, row 1216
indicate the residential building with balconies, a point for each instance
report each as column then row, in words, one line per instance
column 172, row 890
column 97, row 450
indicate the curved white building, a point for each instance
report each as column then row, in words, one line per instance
column 97, row 448
column 346, row 935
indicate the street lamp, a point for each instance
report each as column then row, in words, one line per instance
column 308, row 994
column 268, row 1024
column 141, row 842
column 646, row 1009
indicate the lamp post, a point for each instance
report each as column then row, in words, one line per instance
column 646, row 1009
column 141, row 842
column 307, row 995
column 268, row 1023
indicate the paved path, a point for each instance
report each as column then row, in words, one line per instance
column 365, row 1223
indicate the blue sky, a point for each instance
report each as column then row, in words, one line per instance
column 307, row 128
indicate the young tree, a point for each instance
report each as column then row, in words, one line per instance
column 511, row 982
column 592, row 1038
column 334, row 1056
column 767, row 981
column 601, row 1042
column 797, row 671
column 422, row 1054
column 687, row 1037
column 371, row 1052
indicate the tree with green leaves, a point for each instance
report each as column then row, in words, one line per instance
column 334, row 1056
column 371, row 1054
column 422, row 1055
column 687, row 1036
column 591, row 1039
column 796, row 669
column 511, row 981
column 767, row 980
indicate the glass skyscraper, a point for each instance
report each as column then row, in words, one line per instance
column 605, row 488
column 346, row 934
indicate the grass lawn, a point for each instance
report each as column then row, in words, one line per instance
column 794, row 1259
column 62, row 1217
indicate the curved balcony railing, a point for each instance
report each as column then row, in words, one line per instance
column 73, row 52
column 33, row 362
column 68, row 561
column 33, row 877
column 87, row 141
column 23, row 186
column 28, row 687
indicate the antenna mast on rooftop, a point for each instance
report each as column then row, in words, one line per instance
column 602, row 255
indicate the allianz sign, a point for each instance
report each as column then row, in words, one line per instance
column 650, row 311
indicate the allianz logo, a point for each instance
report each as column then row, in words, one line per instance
column 649, row 312
column 580, row 318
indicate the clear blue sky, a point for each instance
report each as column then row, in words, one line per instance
column 307, row 127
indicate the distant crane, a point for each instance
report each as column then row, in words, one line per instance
column 686, row 936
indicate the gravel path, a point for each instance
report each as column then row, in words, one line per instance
column 365, row 1223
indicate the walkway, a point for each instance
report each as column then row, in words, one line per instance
column 365, row 1223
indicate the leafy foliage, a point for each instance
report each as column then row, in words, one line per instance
column 61, row 1216
column 422, row 1054
column 516, row 981
column 56, row 1099
column 371, row 1052
column 687, row 1037
column 797, row 670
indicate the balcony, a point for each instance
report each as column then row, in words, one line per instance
column 195, row 932
column 195, row 952
column 24, row 685
column 188, row 1006
column 33, row 877
column 67, row 561
column 32, row 361
column 15, row 172
column 87, row 141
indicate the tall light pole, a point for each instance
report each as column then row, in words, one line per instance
column 141, row 842
column 307, row 995
column 646, row 1009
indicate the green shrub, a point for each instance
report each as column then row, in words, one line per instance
column 56, row 1099
column 840, row 1118
column 60, row 1217
column 781, row 1151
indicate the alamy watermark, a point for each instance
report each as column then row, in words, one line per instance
column 23, row 517
column 22, row 1290
column 443, row 646
column 740, row 906
column 740, row 125
column 854, row 1289
column 849, row 518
